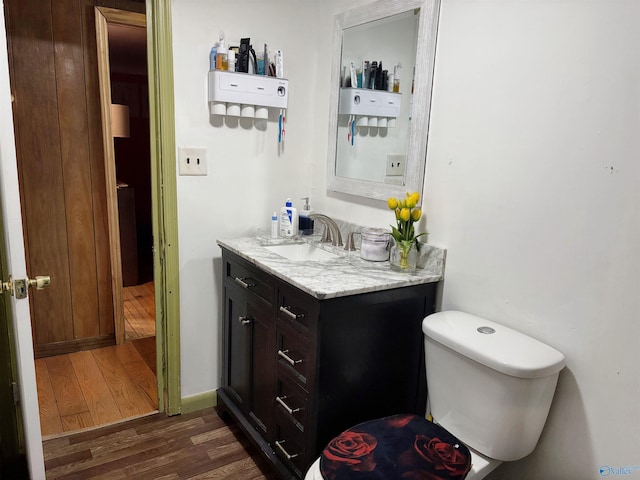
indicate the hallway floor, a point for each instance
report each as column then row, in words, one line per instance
column 96, row 387
column 105, row 385
column 139, row 311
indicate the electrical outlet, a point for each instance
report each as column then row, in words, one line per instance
column 395, row 164
column 192, row 160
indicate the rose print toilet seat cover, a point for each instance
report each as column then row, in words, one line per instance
column 397, row 447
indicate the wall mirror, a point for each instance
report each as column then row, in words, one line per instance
column 378, row 137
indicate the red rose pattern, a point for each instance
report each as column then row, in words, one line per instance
column 402, row 447
column 399, row 421
column 442, row 455
column 354, row 449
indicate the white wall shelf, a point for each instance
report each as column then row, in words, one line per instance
column 246, row 95
column 362, row 101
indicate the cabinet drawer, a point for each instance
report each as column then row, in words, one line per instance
column 292, row 354
column 289, row 444
column 292, row 402
column 297, row 309
column 250, row 279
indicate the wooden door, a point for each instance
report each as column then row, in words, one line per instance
column 54, row 80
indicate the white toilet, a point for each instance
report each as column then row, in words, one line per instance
column 489, row 386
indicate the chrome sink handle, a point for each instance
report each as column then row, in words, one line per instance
column 351, row 245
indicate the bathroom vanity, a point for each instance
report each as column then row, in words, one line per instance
column 312, row 348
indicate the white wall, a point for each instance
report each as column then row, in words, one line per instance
column 250, row 174
column 532, row 184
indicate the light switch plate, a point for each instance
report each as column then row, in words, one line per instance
column 192, row 161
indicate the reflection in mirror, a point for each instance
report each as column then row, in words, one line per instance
column 371, row 135
column 377, row 142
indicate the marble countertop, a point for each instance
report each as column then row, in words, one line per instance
column 346, row 274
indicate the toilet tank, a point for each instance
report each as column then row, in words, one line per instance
column 489, row 385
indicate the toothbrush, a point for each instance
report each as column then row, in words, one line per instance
column 284, row 121
column 353, row 131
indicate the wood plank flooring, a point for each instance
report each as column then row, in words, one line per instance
column 139, row 311
column 96, row 387
column 195, row 446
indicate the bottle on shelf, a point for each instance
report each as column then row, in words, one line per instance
column 222, row 57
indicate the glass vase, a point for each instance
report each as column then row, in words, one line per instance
column 403, row 256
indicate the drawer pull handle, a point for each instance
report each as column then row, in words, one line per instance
column 283, row 354
column 284, row 452
column 245, row 320
column 293, row 316
column 243, row 282
column 291, row 411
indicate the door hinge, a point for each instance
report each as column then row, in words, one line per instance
column 16, row 393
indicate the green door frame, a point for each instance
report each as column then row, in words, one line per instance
column 165, row 205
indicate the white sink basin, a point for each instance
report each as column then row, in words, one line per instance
column 301, row 252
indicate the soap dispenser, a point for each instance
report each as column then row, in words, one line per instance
column 306, row 223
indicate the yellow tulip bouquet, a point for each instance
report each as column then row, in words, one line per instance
column 407, row 213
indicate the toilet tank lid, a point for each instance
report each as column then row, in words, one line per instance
column 500, row 348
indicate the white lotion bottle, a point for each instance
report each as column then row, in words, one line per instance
column 288, row 220
column 274, row 225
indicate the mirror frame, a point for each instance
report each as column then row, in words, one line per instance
column 423, row 80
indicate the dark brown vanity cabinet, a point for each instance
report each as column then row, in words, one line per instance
column 298, row 370
column 248, row 374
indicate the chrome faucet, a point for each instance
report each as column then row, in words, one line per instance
column 331, row 230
